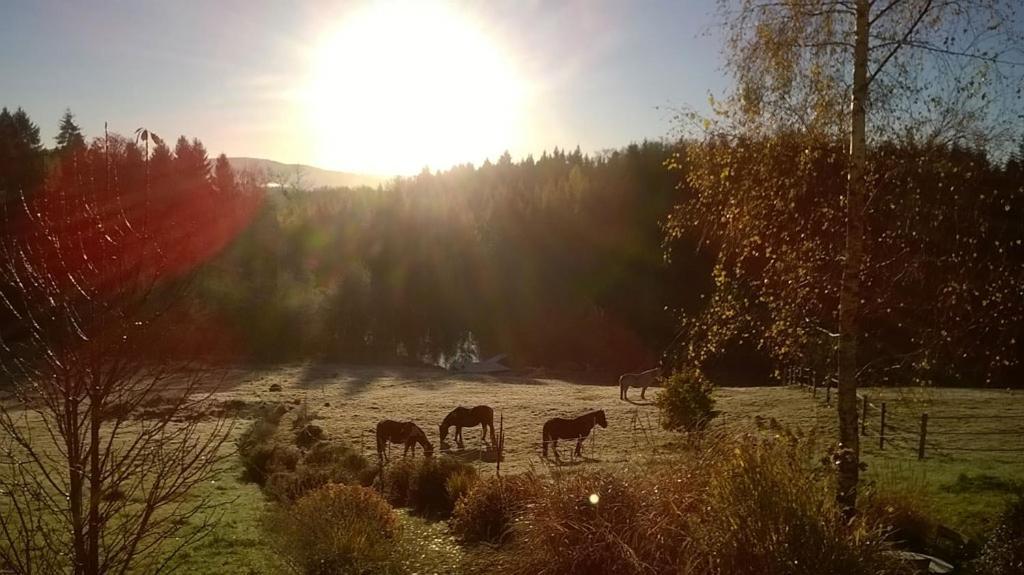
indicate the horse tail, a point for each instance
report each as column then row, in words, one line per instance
column 544, row 439
column 380, row 438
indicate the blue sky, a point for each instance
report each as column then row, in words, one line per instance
column 600, row 73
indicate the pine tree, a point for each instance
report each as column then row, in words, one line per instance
column 224, row 175
column 21, row 153
column 69, row 136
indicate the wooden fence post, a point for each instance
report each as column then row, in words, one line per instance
column 500, row 448
column 881, row 429
column 924, row 436
column 863, row 414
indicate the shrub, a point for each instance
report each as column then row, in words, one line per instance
column 272, row 413
column 423, row 484
column 309, row 436
column 258, row 450
column 745, row 506
column 325, row 463
column 303, row 416
column 428, row 486
column 1003, row 554
column 395, row 480
column 341, row 458
column 900, row 514
column 587, row 523
column 337, row 529
column 486, row 512
column 686, row 402
column 459, row 484
column 766, row 509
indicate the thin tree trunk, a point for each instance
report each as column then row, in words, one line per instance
column 849, row 295
column 95, row 481
column 76, row 482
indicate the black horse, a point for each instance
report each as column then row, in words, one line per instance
column 460, row 417
column 401, row 432
column 578, row 429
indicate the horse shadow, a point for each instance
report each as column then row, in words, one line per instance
column 488, row 455
column 641, row 402
column 573, row 461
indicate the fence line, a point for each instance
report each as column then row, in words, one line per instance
column 896, row 430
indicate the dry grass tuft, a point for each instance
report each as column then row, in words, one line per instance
column 337, row 529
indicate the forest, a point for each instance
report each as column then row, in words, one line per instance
column 683, row 252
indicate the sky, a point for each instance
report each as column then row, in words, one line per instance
column 384, row 88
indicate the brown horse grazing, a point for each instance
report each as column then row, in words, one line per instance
column 578, row 429
column 401, row 432
column 460, row 417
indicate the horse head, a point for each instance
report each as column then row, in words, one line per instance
column 442, row 430
column 600, row 419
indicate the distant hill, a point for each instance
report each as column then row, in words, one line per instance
column 303, row 176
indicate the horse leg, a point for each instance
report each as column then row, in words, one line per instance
column 579, row 446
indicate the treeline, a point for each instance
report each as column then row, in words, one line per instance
column 724, row 253
column 96, row 235
column 556, row 261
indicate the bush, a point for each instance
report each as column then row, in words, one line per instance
column 309, row 435
column 587, row 523
column 1003, row 554
column 686, row 402
column 902, row 516
column 337, row 529
column 324, row 463
column 459, row 484
column 486, row 512
column 428, row 487
column 258, row 450
column 304, row 416
column 423, row 484
column 341, row 457
column 395, row 480
column 745, row 506
column 767, row 509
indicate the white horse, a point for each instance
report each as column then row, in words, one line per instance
column 643, row 380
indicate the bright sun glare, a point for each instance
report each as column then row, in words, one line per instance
column 399, row 86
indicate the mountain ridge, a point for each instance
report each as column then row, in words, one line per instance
column 305, row 176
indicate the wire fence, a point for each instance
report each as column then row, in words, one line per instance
column 906, row 429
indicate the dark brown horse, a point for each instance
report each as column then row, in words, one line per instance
column 401, row 433
column 464, row 417
column 578, row 429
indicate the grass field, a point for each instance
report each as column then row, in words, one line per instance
column 964, row 489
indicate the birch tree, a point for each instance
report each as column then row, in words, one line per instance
column 811, row 73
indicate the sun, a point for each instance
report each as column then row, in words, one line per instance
column 397, row 87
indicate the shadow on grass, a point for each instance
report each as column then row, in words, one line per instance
column 486, row 455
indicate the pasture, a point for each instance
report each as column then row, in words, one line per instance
column 963, row 488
